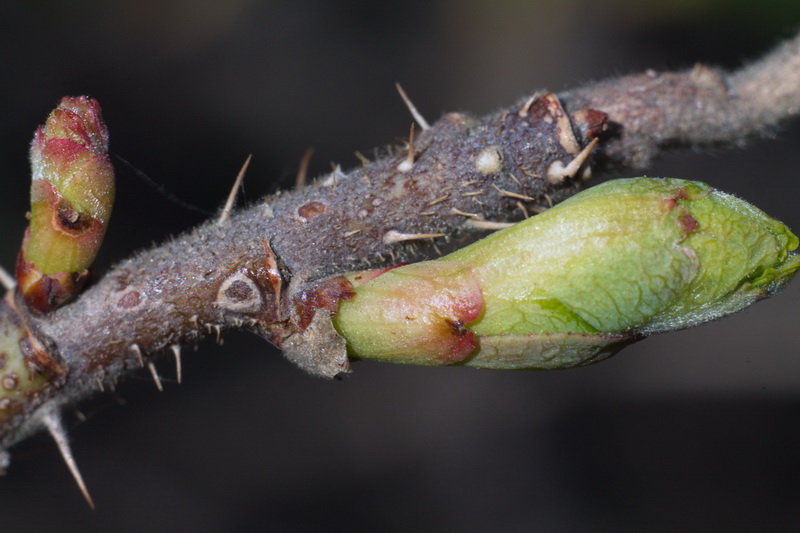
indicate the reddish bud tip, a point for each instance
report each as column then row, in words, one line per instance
column 71, row 199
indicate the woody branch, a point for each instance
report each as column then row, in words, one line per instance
column 273, row 268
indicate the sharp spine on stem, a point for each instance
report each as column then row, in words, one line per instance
column 229, row 203
column 302, row 171
column 52, row 421
column 558, row 172
column 361, row 157
column 408, row 163
column 156, row 378
column 455, row 211
column 176, row 351
column 7, row 280
column 412, row 109
column 392, row 236
column 138, row 353
column 488, row 224
column 516, row 195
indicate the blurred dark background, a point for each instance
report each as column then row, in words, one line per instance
column 692, row 431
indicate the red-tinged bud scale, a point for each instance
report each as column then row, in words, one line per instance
column 433, row 300
column 72, row 193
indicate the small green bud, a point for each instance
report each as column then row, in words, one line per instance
column 72, row 192
column 574, row 284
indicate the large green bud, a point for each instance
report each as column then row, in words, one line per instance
column 573, row 285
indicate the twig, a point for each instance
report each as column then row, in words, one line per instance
column 272, row 268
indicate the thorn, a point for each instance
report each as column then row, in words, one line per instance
column 523, row 111
column 176, row 351
column 302, row 170
column 516, row 180
column 558, row 172
column 463, row 214
column 226, row 211
column 138, row 353
column 52, row 421
column 338, row 173
column 153, row 372
column 522, row 208
column 392, row 236
column 516, row 195
column 488, row 224
column 438, row 200
column 80, row 416
column 412, row 109
column 408, row 163
column 7, row 280
column 334, row 177
column 351, row 233
column 361, row 157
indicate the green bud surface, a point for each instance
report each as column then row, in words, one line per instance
column 574, row 284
